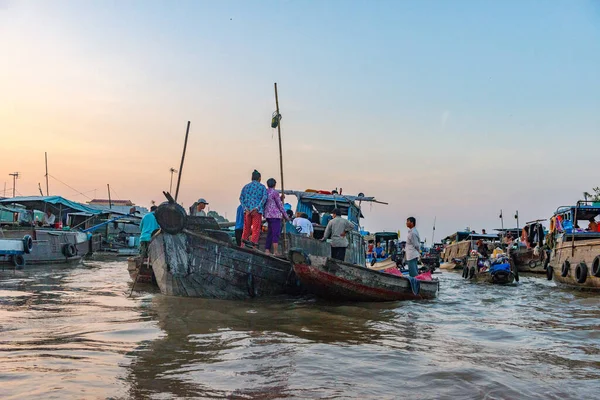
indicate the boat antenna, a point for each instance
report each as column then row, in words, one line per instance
column 501, row 220
column 40, row 188
column 517, row 218
column 15, row 176
column 433, row 234
column 187, row 132
column 47, row 187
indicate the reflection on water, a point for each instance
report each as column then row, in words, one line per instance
column 72, row 332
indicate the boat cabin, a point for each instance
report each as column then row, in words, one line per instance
column 577, row 222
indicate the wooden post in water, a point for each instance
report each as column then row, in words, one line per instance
column 47, row 190
column 187, row 131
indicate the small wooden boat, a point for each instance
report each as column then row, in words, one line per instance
column 501, row 273
column 337, row 280
column 575, row 255
column 136, row 266
column 458, row 248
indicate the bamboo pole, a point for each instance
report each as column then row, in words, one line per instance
column 187, row 131
column 109, row 200
column 280, row 158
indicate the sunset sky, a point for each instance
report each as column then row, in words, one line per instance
column 454, row 109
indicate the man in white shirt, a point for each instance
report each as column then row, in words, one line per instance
column 413, row 246
column 303, row 225
column 48, row 219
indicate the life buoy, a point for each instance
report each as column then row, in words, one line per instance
column 549, row 272
column 564, row 269
column 69, row 250
column 27, row 244
column 596, row 266
column 581, row 272
column 471, row 272
column 18, row 261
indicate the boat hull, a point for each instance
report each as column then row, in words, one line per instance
column 136, row 267
column 336, row 280
column 527, row 261
column 583, row 254
column 49, row 245
column 191, row 264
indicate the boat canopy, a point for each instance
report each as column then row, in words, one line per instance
column 308, row 202
column 583, row 212
column 56, row 204
column 385, row 236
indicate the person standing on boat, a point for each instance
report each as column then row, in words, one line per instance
column 274, row 213
column 197, row 209
column 253, row 199
column 239, row 225
column 147, row 228
column 337, row 229
column 413, row 246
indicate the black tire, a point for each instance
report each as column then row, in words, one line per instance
column 564, row 270
column 471, row 272
column 546, row 260
column 27, row 244
column 596, row 266
column 581, row 272
column 549, row 272
column 18, row 261
column 465, row 272
column 514, row 270
column 69, row 250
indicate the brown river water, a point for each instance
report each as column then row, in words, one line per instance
column 73, row 333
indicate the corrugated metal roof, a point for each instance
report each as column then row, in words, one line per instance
column 56, row 202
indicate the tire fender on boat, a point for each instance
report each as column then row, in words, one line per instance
column 596, row 266
column 18, row 261
column 549, row 272
column 514, row 270
column 27, row 244
column 465, row 272
column 581, row 272
column 69, row 250
column 564, row 270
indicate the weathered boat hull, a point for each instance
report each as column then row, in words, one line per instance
column 526, row 261
column 568, row 263
column 191, row 264
column 49, row 246
column 336, row 280
column 474, row 274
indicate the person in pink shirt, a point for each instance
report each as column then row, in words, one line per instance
column 274, row 213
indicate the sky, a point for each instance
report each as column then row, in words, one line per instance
column 446, row 110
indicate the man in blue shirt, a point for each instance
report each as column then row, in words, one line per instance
column 147, row 228
column 239, row 224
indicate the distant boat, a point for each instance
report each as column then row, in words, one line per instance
column 50, row 244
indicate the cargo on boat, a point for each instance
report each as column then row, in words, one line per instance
column 574, row 252
column 336, row 280
column 528, row 254
column 497, row 270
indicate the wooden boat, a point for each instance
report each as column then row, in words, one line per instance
column 135, row 267
column 337, row 280
column 192, row 257
column 575, row 255
column 501, row 274
column 50, row 245
column 529, row 255
column 458, row 248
